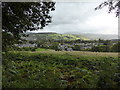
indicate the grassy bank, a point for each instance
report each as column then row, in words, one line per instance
column 51, row 69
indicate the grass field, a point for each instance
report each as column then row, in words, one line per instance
column 60, row 69
column 81, row 53
column 42, row 49
column 74, row 53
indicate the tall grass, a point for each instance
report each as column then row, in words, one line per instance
column 59, row 70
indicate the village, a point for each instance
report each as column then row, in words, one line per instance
column 78, row 46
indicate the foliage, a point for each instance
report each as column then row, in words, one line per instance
column 41, row 49
column 77, row 47
column 18, row 17
column 116, row 47
column 100, row 48
column 22, row 49
column 112, row 5
column 45, row 70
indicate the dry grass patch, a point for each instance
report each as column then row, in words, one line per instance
column 81, row 53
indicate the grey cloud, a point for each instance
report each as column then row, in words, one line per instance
column 72, row 17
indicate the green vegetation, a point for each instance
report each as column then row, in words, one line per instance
column 53, row 69
column 76, row 42
column 22, row 49
column 116, row 47
column 41, row 49
column 55, row 36
column 19, row 17
column 107, row 47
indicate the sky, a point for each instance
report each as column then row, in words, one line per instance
column 80, row 17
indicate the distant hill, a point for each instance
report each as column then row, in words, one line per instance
column 69, row 36
column 54, row 36
column 101, row 36
column 95, row 36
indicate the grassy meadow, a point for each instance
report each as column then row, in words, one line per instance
column 60, row 69
column 80, row 53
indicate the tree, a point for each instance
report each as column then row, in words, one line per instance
column 112, row 5
column 116, row 47
column 19, row 17
column 77, row 47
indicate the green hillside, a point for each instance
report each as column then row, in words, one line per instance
column 55, row 36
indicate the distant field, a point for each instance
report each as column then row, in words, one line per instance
column 42, row 49
column 79, row 53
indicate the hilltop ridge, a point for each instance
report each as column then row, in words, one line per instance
column 54, row 36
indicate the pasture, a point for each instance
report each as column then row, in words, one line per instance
column 81, row 53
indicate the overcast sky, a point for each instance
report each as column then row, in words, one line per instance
column 81, row 17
